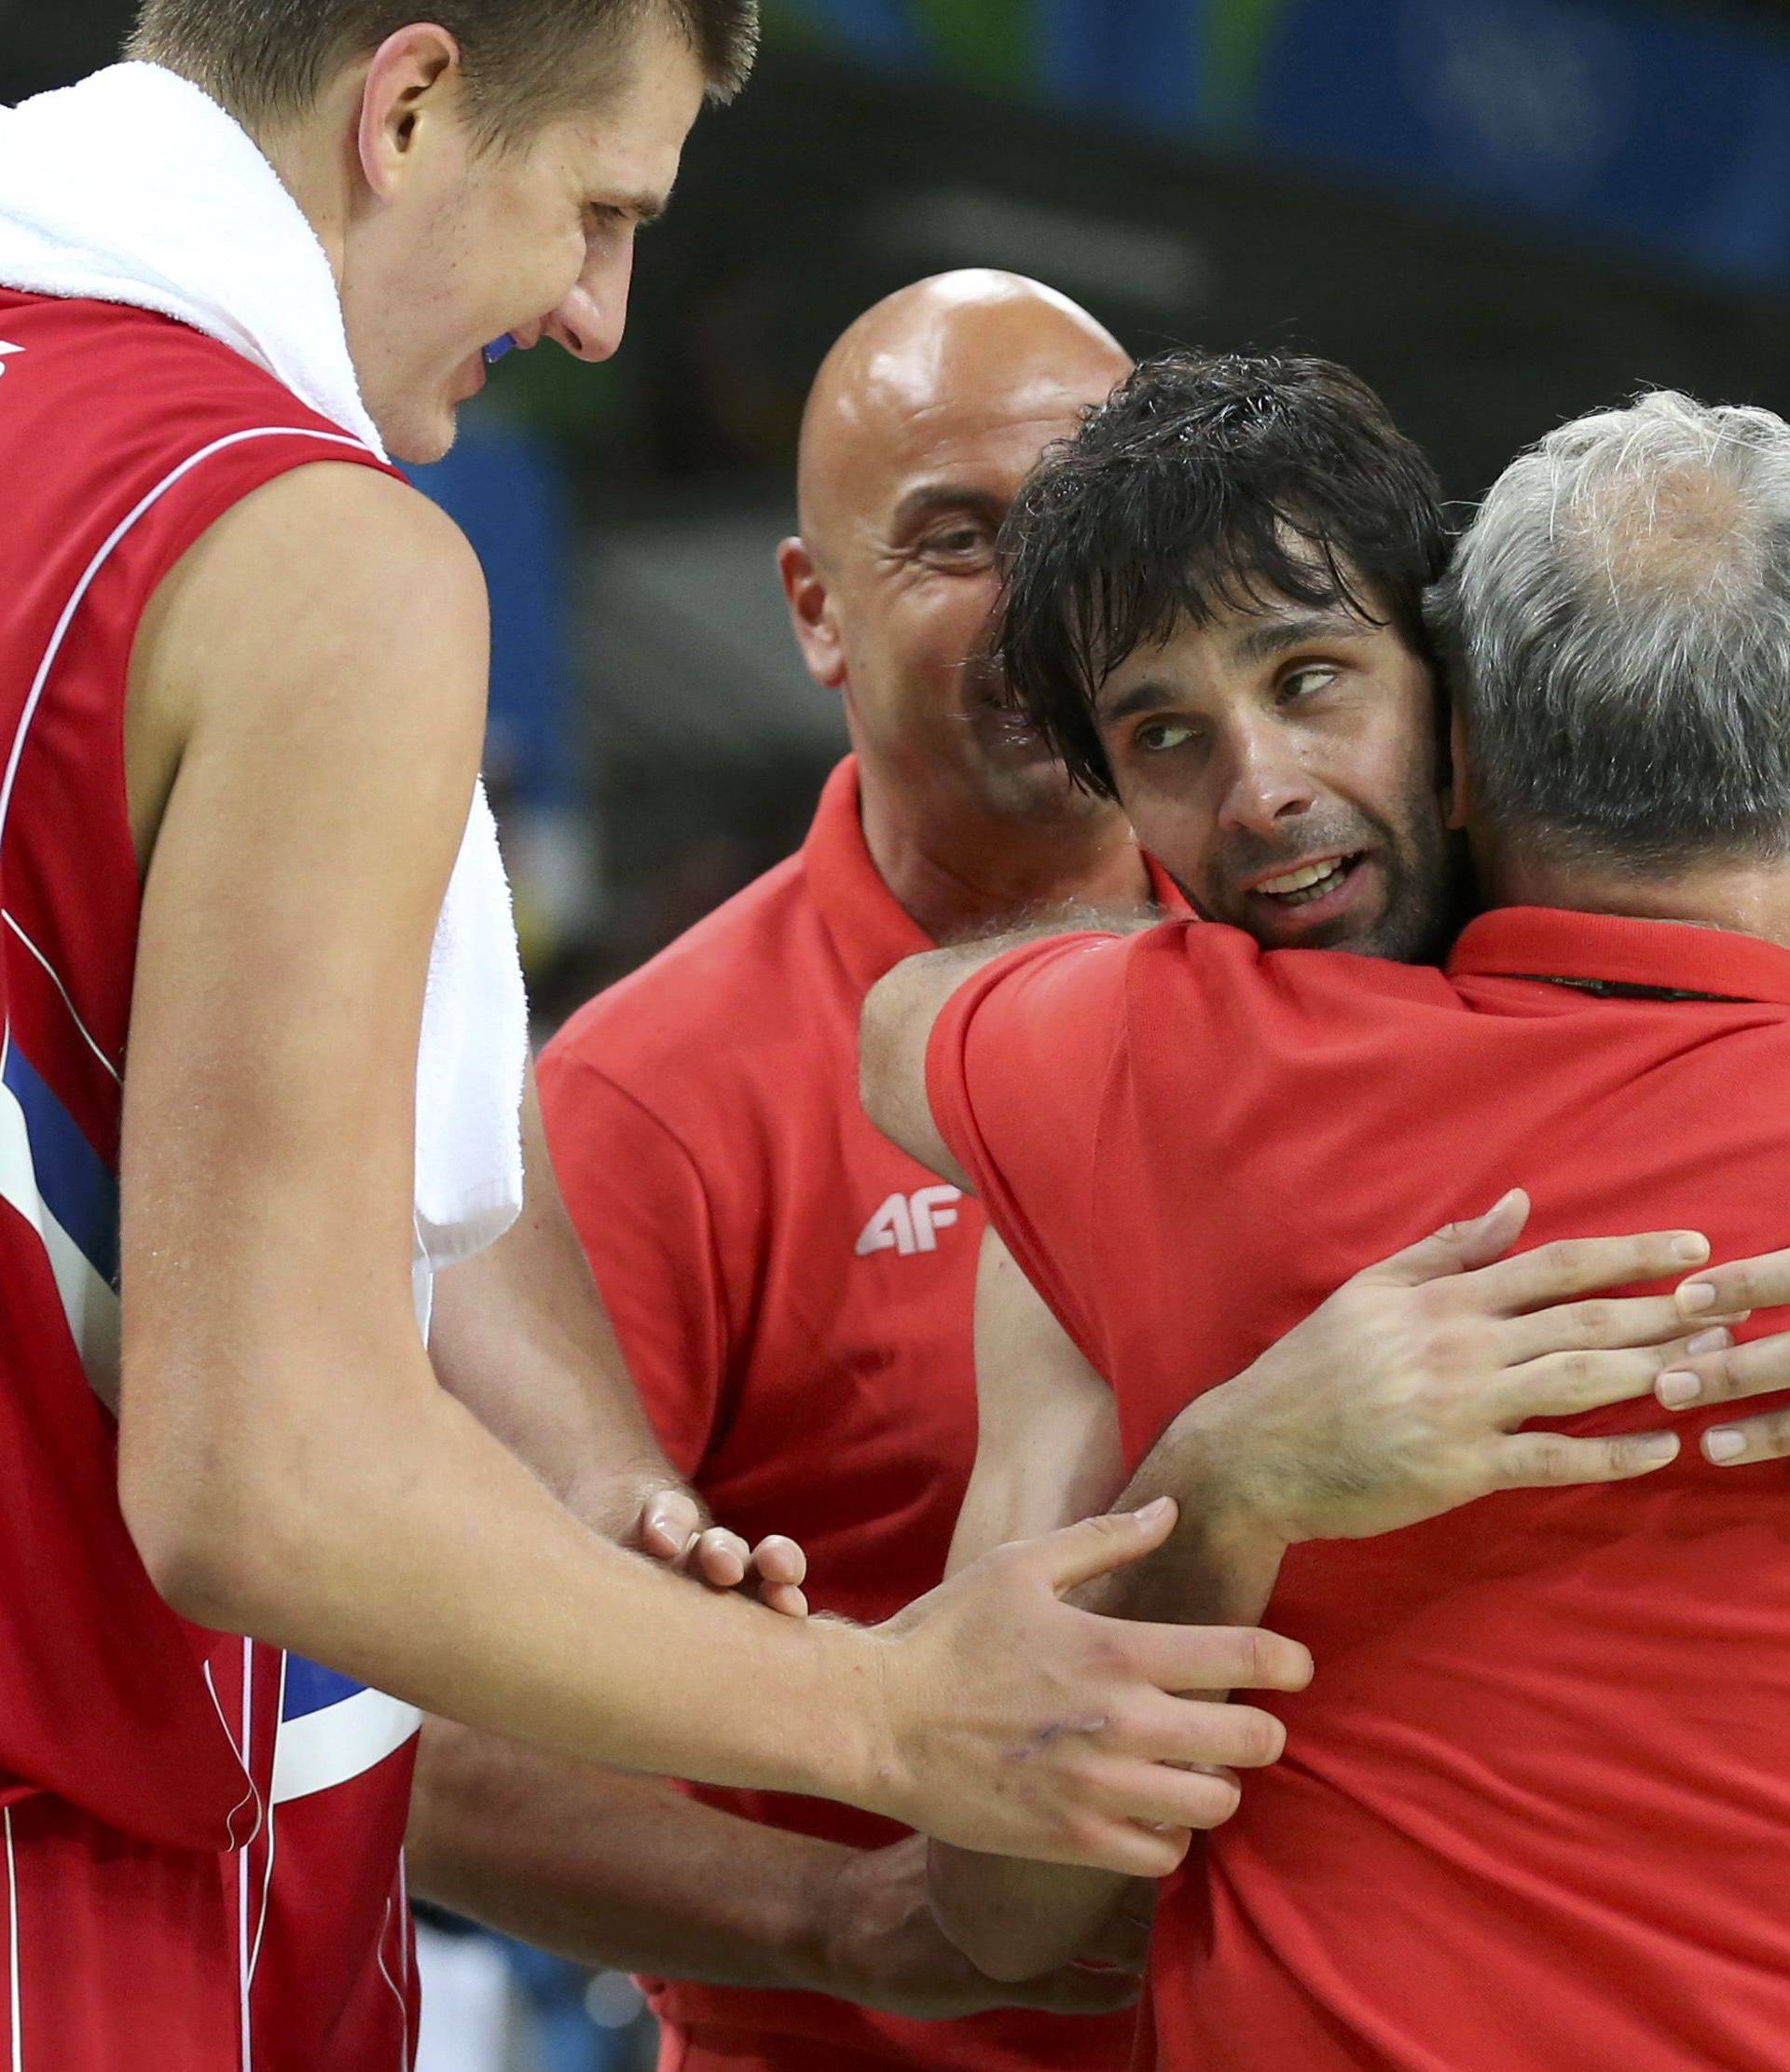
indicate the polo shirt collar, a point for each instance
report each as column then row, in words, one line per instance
column 871, row 929
column 1548, row 942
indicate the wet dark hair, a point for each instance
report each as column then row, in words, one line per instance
column 1207, row 481
column 526, row 60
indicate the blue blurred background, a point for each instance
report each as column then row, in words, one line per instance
column 1501, row 212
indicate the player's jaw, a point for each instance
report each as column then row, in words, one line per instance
column 1343, row 877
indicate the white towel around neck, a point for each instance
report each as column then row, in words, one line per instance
column 136, row 187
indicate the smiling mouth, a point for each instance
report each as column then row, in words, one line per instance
column 1309, row 883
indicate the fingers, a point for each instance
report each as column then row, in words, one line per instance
column 778, row 1559
column 1458, row 1248
column 1123, row 1845
column 1758, row 1283
column 1550, row 1460
column 669, row 1524
column 1205, row 1730
column 721, row 1558
column 1600, row 1325
column 1565, row 1383
column 1077, row 1554
column 1212, row 1658
column 1169, row 1799
column 1752, row 1439
column 1578, row 1265
column 1730, row 1375
column 785, row 1598
column 670, row 1531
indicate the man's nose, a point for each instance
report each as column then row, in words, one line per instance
column 1264, row 787
column 590, row 321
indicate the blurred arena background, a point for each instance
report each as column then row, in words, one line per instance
column 1501, row 212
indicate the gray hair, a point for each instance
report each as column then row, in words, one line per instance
column 1616, row 622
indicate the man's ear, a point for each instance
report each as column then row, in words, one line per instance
column 411, row 81
column 1457, row 801
column 811, row 614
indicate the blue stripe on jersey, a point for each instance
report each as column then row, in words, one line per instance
column 310, row 1687
column 71, row 1178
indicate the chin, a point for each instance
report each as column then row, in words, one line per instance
column 416, row 434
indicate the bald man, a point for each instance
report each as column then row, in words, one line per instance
column 793, row 1294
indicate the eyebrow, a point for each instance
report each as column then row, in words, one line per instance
column 1141, row 698
column 1259, row 642
column 1270, row 637
column 931, row 497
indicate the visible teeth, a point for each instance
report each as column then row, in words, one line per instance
column 1296, row 881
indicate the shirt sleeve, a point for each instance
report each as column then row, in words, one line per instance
column 1017, row 1069
column 638, row 1201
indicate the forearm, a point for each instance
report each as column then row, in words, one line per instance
column 620, row 1872
column 549, row 1381
column 415, row 1552
column 520, row 1335
column 1015, row 1920
column 1219, row 1565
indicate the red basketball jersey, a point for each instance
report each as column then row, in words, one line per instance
column 170, row 1788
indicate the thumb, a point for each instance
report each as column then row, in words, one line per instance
column 1458, row 1248
column 1075, row 1554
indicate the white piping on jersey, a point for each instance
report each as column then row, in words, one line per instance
column 12, row 1951
column 267, row 1874
column 89, row 1304
column 320, row 1749
column 89, row 1313
column 404, row 2005
column 242, row 1968
column 251, row 1795
column 116, row 538
column 55, row 979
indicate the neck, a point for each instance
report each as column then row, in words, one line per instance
column 957, row 877
column 1748, row 898
column 319, row 188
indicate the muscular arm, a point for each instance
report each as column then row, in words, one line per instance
column 288, row 1464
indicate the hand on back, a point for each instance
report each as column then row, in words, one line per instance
column 1406, row 1394
column 1023, row 1726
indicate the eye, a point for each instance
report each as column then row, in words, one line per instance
column 955, row 543
column 1158, row 737
column 1307, row 683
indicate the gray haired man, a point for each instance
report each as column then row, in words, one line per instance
column 1547, row 1746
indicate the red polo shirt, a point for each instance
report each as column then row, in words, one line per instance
column 1534, row 1811
column 794, row 1298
